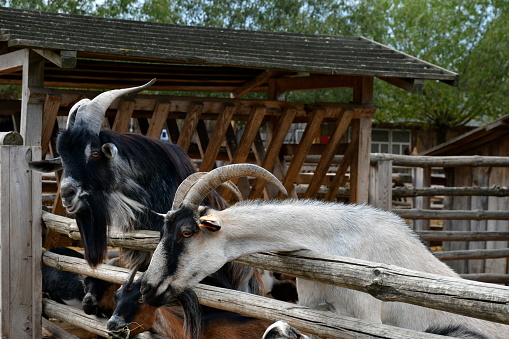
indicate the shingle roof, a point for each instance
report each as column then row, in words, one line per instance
column 323, row 54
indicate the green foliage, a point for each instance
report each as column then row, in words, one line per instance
column 470, row 37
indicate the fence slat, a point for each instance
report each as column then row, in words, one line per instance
column 323, row 323
column 386, row 282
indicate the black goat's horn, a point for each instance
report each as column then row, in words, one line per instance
column 216, row 177
column 92, row 111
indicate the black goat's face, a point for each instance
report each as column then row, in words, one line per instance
column 86, row 167
column 131, row 316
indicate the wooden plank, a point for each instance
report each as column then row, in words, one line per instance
column 156, row 123
column 247, row 140
column 190, row 124
column 123, row 117
column 203, row 138
column 380, row 188
column 20, row 250
column 173, row 130
column 314, row 82
column 328, row 154
column 253, row 83
column 12, row 62
column 231, row 142
column 271, row 155
column 217, row 137
column 249, row 134
column 421, row 177
column 359, row 168
column 340, row 178
column 31, row 112
column 310, row 133
column 67, row 59
column 49, row 118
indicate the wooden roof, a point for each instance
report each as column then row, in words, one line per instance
column 479, row 136
column 200, row 58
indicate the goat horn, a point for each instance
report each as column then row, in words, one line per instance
column 92, row 112
column 189, row 182
column 216, row 177
column 131, row 278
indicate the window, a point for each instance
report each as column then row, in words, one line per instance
column 390, row 141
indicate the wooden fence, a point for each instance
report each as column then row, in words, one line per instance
column 385, row 282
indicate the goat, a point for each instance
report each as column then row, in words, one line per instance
column 114, row 180
column 62, row 286
column 132, row 316
column 197, row 240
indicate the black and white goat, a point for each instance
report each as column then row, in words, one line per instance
column 187, row 321
column 62, row 286
column 114, row 180
column 198, row 240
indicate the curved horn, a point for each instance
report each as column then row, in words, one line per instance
column 222, row 174
column 72, row 113
column 93, row 111
column 131, row 278
column 184, row 187
column 189, row 182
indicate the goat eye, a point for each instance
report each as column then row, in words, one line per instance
column 140, row 301
column 95, row 154
column 187, row 234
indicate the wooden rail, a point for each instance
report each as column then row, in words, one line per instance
column 385, row 282
column 323, row 323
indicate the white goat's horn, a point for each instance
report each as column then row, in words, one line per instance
column 216, row 177
column 189, row 182
column 92, row 111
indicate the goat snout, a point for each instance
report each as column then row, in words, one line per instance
column 89, row 304
column 116, row 324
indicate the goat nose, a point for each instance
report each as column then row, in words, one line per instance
column 115, row 323
column 68, row 192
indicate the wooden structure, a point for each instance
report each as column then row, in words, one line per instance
column 489, row 140
column 59, row 59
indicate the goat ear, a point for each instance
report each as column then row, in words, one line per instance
column 110, row 150
column 211, row 222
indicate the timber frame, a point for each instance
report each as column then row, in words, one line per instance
column 58, row 59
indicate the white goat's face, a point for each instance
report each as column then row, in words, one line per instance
column 189, row 250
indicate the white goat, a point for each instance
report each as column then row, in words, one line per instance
column 197, row 241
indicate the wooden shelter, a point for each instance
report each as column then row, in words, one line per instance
column 59, row 59
column 488, row 140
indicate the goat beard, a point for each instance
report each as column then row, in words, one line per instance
column 93, row 219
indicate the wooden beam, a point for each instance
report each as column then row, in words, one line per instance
column 314, row 82
column 31, row 112
column 123, row 117
column 49, row 118
column 253, row 83
column 66, row 59
column 13, row 61
column 158, row 119
column 270, row 158
column 328, row 154
column 246, row 141
column 310, row 133
column 224, row 119
column 194, row 112
column 409, row 85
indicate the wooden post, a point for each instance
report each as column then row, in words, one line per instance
column 421, row 178
column 20, row 243
column 31, row 113
column 359, row 169
column 380, row 188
